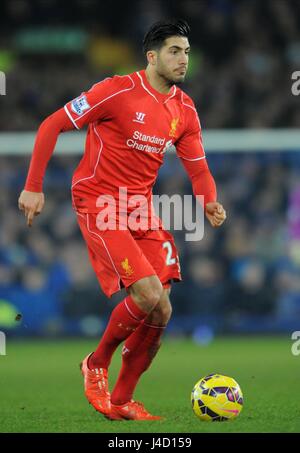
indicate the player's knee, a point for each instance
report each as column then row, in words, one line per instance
column 162, row 313
column 152, row 294
column 160, row 317
column 166, row 312
column 147, row 293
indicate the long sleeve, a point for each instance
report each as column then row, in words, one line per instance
column 189, row 148
column 45, row 142
column 86, row 108
column 201, row 178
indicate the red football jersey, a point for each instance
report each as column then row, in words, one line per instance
column 131, row 127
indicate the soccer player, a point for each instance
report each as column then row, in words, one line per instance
column 132, row 121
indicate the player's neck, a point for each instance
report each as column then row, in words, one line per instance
column 157, row 82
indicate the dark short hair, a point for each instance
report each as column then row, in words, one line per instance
column 155, row 37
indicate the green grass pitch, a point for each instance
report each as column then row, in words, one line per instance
column 42, row 390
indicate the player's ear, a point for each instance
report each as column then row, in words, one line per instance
column 152, row 57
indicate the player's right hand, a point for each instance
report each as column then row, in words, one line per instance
column 215, row 213
column 32, row 204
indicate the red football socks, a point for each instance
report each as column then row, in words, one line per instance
column 125, row 318
column 137, row 355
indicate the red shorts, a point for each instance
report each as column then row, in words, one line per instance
column 120, row 258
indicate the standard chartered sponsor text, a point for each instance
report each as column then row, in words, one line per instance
column 143, row 142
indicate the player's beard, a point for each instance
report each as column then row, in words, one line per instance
column 168, row 75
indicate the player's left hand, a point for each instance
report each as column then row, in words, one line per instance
column 215, row 214
column 32, row 204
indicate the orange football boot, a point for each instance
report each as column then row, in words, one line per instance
column 133, row 410
column 96, row 387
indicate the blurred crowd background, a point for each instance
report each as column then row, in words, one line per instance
column 243, row 55
column 241, row 278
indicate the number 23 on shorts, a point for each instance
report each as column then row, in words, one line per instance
column 169, row 260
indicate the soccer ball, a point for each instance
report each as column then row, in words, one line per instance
column 217, row 398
